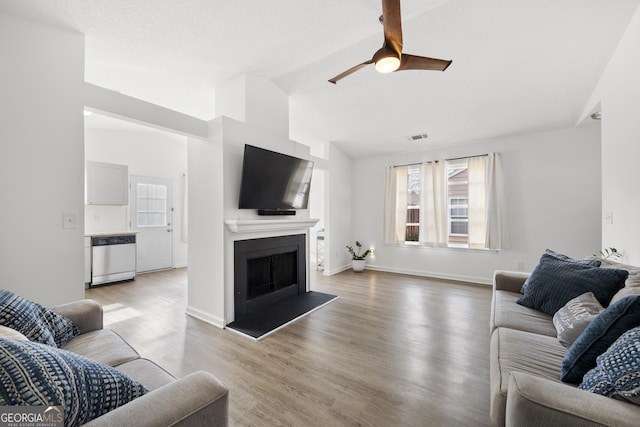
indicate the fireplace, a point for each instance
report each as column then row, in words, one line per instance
column 267, row 270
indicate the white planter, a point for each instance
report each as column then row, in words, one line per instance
column 358, row 264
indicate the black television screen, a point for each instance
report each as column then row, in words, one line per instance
column 274, row 181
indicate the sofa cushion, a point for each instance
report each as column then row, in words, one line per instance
column 554, row 282
column 575, row 316
column 520, row 351
column 146, row 373
column 625, row 292
column 38, row 374
column 103, row 345
column 633, row 280
column 603, row 331
column 506, row 313
column 590, row 261
column 34, row 321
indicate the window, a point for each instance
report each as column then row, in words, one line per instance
column 445, row 204
column 458, row 205
column 458, row 217
column 151, row 205
column 413, row 204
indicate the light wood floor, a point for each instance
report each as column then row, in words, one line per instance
column 393, row 350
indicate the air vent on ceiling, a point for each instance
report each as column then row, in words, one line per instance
column 417, row 137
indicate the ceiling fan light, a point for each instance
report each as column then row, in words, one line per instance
column 387, row 64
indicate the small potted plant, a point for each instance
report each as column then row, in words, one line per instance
column 358, row 259
column 611, row 254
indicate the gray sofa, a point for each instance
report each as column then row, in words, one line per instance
column 199, row 399
column 525, row 364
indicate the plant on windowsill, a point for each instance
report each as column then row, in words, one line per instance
column 358, row 259
column 611, row 254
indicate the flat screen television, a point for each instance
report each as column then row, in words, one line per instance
column 274, row 182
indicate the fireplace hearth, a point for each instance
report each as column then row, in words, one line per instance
column 267, row 270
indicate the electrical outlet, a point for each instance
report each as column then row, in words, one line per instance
column 520, row 266
column 70, row 220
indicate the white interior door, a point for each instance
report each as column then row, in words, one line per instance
column 151, row 208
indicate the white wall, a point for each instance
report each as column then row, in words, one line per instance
column 147, row 152
column 206, row 227
column 215, row 169
column 235, row 135
column 41, row 161
column 619, row 92
column 317, row 208
column 553, row 194
column 340, row 207
column 256, row 101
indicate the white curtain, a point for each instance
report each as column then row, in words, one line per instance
column 433, row 205
column 488, row 225
column 497, row 220
column 395, row 204
column 477, row 202
column 487, row 214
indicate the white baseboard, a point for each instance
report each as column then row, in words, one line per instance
column 455, row 277
column 336, row 270
column 205, row 317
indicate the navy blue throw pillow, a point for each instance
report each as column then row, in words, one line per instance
column 603, row 331
column 35, row 321
column 554, row 282
column 37, row 374
column 593, row 262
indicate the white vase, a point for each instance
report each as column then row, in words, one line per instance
column 357, row 264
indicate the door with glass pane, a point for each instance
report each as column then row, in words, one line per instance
column 151, row 210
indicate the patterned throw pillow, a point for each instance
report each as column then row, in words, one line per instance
column 603, row 331
column 575, row 316
column 617, row 373
column 37, row 374
column 34, row 321
column 555, row 281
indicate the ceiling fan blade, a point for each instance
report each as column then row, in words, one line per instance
column 412, row 62
column 350, row 71
column 392, row 22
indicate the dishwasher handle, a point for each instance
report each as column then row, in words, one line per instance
column 113, row 240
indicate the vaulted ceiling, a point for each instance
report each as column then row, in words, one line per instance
column 518, row 66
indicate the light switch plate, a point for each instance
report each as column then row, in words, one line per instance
column 608, row 217
column 69, row 220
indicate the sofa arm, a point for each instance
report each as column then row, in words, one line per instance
column 509, row 280
column 86, row 314
column 199, row 399
column 535, row 401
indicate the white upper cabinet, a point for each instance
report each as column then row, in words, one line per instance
column 107, row 184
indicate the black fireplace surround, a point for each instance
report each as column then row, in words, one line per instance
column 267, row 270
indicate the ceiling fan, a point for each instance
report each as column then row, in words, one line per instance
column 389, row 57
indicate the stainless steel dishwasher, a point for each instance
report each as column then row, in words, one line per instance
column 113, row 258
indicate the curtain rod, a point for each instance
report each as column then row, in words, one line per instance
column 436, row 161
column 468, row 157
column 408, row 164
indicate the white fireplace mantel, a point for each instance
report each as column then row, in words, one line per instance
column 259, row 225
